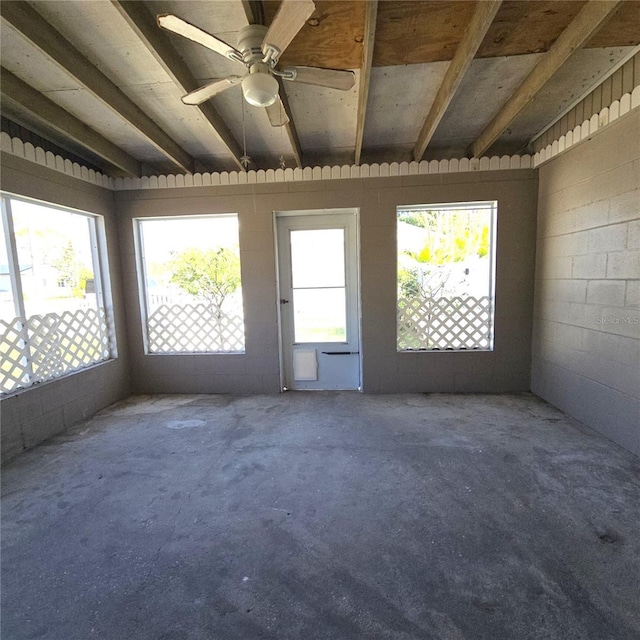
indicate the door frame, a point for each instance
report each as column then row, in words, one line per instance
column 310, row 213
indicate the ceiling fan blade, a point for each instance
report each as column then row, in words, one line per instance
column 334, row 78
column 290, row 18
column 183, row 28
column 210, row 89
column 277, row 115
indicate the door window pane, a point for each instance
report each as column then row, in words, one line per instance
column 317, row 258
column 320, row 315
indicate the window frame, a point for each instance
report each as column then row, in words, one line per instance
column 101, row 273
column 143, row 293
column 493, row 206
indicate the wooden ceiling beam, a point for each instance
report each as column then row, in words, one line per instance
column 52, row 115
column 465, row 53
column 590, row 18
column 41, row 34
column 157, row 42
column 254, row 11
column 290, row 127
column 370, row 21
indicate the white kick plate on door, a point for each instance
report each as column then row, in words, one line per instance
column 305, row 364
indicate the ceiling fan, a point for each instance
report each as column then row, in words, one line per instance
column 259, row 50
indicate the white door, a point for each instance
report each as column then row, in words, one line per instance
column 318, row 290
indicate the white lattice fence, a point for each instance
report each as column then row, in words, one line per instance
column 193, row 328
column 14, row 352
column 445, row 323
column 45, row 347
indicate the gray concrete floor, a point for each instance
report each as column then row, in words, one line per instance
column 323, row 515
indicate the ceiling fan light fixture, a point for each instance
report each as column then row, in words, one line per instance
column 260, row 89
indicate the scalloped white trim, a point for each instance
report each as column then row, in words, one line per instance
column 582, row 131
column 16, row 147
column 326, row 173
column 618, row 108
column 26, row 150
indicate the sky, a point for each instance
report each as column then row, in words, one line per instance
column 162, row 238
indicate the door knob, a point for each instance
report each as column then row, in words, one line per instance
column 283, row 301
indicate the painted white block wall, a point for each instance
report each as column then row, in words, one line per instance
column 586, row 340
column 384, row 370
column 30, row 416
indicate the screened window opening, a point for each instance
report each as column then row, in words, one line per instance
column 53, row 306
column 191, row 289
column 446, row 257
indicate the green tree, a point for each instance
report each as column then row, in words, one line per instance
column 66, row 264
column 71, row 271
column 210, row 275
column 409, row 283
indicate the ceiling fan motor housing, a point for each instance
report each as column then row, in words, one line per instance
column 250, row 43
column 260, row 88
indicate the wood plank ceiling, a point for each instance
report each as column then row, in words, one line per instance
column 434, row 78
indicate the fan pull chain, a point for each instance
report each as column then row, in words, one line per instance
column 281, row 160
column 245, row 160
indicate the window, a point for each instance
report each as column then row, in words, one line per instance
column 191, row 289
column 319, row 285
column 51, row 321
column 446, row 276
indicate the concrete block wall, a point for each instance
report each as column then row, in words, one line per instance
column 507, row 368
column 30, row 416
column 586, row 343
